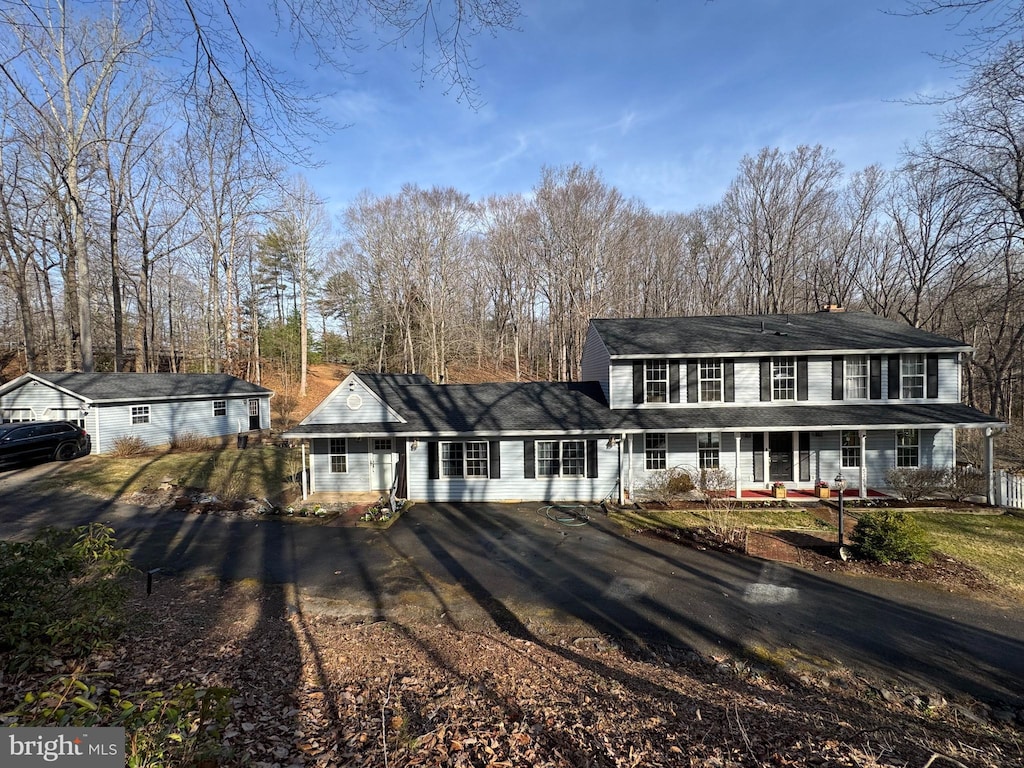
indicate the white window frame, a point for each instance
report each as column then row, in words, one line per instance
column 221, row 406
column 856, row 377
column 849, row 448
column 710, row 381
column 656, row 377
column 382, row 444
column 908, row 452
column 784, row 379
column 655, row 451
column 140, row 415
column 18, row 415
column 709, row 450
column 565, row 452
column 337, row 455
column 470, row 460
column 912, row 376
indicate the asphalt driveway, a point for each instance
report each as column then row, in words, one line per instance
column 506, row 565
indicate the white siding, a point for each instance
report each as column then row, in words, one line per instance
column 41, row 399
column 351, row 403
column 596, row 361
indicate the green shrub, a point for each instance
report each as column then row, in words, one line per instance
column 62, row 594
column 889, row 536
column 915, row 483
column 129, row 445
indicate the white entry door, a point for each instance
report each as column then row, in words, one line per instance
column 382, row 464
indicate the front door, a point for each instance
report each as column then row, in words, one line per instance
column 381, row 465
column 254, row 414
column 780, row 456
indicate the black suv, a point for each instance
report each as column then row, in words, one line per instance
column 34, row 441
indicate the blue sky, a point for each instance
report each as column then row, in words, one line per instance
column 662, row 97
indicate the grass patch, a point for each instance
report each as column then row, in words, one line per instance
column 759, row 518
column 994, row 544
column 260, row 472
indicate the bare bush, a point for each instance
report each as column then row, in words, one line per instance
column 189, row 442
column 915, row 483
column 129, row 445
column 962, row 482
column 668, row 485
column 716, row 488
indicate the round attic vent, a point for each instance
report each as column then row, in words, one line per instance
column 354, row 401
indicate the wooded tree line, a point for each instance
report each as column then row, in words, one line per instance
column 133, row 240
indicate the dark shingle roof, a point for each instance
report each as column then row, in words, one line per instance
column 100, row 387
column 738, row 334
column 558, row 407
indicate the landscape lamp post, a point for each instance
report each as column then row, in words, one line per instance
column 840, row 483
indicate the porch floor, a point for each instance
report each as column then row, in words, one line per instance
column 806, row 494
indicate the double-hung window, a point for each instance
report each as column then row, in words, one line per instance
column 655, row 450
column 784, row 378
column 140, row 414
column 656, row 381
column 220, row 407
column 850, row 447
column 912, row 376
column 856, row 377
column 561, row 458
column 710, row 379
column 337, row 451
column 708, row 450
column 908, row 447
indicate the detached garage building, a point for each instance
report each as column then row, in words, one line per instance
column 155, row 407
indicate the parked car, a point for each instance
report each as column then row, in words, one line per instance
column 36, row 441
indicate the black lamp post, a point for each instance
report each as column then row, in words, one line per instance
column 840, row 483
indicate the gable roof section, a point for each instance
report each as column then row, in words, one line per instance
column 484, row 409
column 135, row 387
column 764, row 334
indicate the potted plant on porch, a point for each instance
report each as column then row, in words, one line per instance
column 778, row 490
column 822, row 491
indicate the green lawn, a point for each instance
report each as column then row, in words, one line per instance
column 258, row 472
column 994, row 544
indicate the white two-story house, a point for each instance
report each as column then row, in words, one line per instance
column 791, row 399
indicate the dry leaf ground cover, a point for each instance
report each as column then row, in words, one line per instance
column 316, row 691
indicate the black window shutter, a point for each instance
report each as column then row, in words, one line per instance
column 894, row 377
column 804, row 439
column 758, row 453
column 729, row 381
column 673, row 382
column 932, row 375
column 875, row 377
column 638, row 381
column 801, row 378
column 494, row 459
column 591, row 458
column 433, row 464
column 766, row 379
column 837, row 378
column 529, row 462
column 691, row 381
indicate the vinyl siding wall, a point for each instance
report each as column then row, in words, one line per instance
column 595, row 363
column 351, row 403
column 357, row 477
column 747, row 378
column 170, row 418
column 46, row 403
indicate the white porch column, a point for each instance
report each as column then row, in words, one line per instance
column 622, row 473
column 990, row 477
column 863, row 484
column 736, row 466
column 629, row 467
column 305, row 473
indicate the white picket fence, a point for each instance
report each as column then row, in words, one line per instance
column 1009, row 490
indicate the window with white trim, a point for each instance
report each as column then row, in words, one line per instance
column 337, row 450
column 381, row 444
column 709, row 446
column 710, row 380
column 140, row 414
column 655, row 450
column 912, row 376
column 656, row 381
column 220, row 407
column 850, row 447
column 856, row 377
column 17, row 415
column 561, row 458
column 908, row 447
column 784, row 378
column 464, row 459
